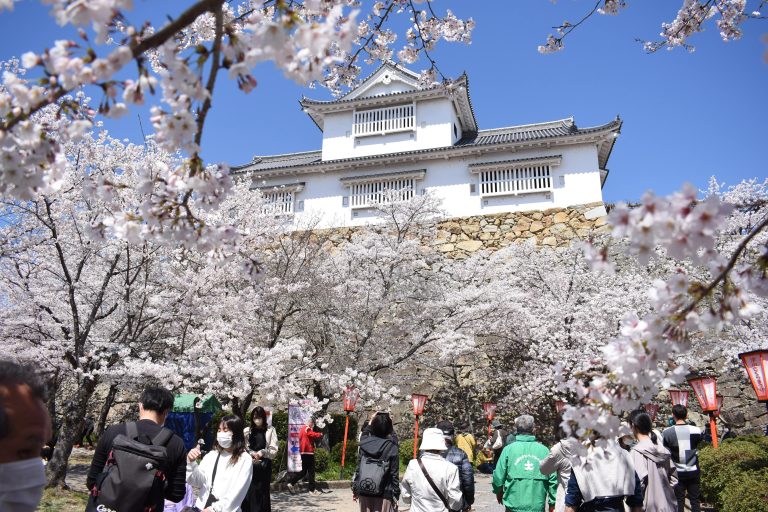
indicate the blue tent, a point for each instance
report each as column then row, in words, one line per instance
column 190, row 418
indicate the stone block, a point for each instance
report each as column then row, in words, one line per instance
column 549, row 241
column 447, row 248
column 470, row 245
column 536, row 227
column 470, row 228
column 561, row 217
column 452, row 227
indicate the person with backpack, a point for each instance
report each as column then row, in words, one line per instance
column 497, row 441
column 653, row 465
column 224, row 474
column 376, row 482
column 262, row 445
column 118, row 478
column 431, row 483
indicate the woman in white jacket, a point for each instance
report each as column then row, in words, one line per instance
column 415, row 486
column 224, row 474
column 262, row 445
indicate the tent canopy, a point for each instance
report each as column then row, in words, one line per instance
column 185, row 402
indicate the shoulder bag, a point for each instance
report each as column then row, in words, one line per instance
column 434, row 487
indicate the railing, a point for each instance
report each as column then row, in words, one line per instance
column 519, row 180
column 384, row 120
column 381, row 192
column 278, row 203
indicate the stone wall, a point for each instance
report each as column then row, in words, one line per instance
column 556, row 227
column 459, row 237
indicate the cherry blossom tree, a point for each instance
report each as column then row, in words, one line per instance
column 83, row 305
column 725, row 291
column 316, row 41
column 692, row 17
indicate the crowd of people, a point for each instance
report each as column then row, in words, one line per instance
column 143, row 466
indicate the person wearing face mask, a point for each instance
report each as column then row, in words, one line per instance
column 262, row 445
column 25, row 427
column 224, row 474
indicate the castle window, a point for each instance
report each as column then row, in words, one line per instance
column 280, row 199
column 514, row 177
column 367, row 191
column 380, row 121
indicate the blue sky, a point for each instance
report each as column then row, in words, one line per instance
column 686, row 116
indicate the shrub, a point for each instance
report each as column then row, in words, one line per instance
column 322, row 459
column 351, row 458
column 280, row 423
column 733, row 477
column 406, row 451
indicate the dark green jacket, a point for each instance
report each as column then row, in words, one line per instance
column 517, row 475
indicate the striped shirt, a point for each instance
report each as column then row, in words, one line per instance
column 683, row 441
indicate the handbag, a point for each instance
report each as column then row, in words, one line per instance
column 211, row 498
column 435, row 488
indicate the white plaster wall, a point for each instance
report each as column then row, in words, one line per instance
column 434, row 128
column 576, row 181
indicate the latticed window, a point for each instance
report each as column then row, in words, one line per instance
column 280, row 200
column 379, row 121
column 382, row 192
column 365, row 191
column 515, row 177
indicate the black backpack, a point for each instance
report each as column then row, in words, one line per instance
column 134, row 476
column 371, row 477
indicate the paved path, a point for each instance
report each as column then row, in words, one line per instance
column 340, row 500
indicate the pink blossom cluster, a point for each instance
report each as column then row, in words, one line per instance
column 716, row 287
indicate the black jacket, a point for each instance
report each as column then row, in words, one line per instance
column 176, row 474
column 383, row 449
column 457, row 457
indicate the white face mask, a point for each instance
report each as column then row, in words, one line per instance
column 224, row 439
column 21, row 485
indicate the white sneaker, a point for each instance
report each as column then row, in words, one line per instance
column 291, row 489
column 315, row 493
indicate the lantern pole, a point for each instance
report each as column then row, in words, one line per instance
column 344, row 448
column 416, row 437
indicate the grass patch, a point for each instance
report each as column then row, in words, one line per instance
column 59, row 500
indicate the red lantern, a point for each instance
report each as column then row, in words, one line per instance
column 559, row 406
column 756, row 363
column 679, row 397
column 652, row 410
column 705, row 388
column 419, row 401
column 489, row 409
column 350, row 398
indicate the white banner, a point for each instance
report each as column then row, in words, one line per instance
column 297, row 418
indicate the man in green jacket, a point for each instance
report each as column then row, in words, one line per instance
column 517, row 481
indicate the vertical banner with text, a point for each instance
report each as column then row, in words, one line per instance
column 298, row 414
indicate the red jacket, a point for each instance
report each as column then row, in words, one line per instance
column 306, row 436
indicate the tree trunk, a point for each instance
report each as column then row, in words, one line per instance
column 108, row 402
column 73, row 414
